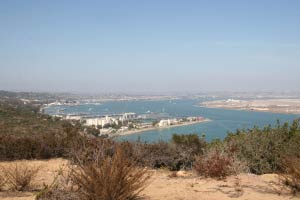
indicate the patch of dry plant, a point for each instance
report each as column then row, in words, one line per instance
column 111, row 178
column 219, row 163
column 19, row 176
column 59, row 188
column 291, row 177
column 214, row 164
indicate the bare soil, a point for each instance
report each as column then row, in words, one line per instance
column 184, row 186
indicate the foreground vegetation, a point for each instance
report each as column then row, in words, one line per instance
column 107, row 169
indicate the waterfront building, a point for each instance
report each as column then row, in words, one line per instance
column 128, row 116
column 167, row 122
column 101, row 121
column 73, row 117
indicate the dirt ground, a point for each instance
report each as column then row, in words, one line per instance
column 185, row 186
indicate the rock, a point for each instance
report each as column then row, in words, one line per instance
column 182, row 173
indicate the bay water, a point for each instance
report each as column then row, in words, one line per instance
column 222, row 121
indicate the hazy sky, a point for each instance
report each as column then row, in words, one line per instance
column 149, row 45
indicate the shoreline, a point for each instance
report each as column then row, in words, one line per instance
column 137, row 131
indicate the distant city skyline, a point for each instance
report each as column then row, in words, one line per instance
column 139, row 46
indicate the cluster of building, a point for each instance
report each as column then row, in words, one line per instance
column 167, row 122
column 103, row 121
column 120, row 123
column 170, row 122
column 73, row 117
column 195, row 119
column 110, row 120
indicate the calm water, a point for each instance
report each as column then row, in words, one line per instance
column 222, row 120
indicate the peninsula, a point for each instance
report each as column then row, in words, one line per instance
column 286, row 106
column 140, row 130
column 130, row 123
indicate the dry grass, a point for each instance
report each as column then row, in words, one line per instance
column 2, row 179
column 19, row 176
column 58, row 189
column 113, row 178
column 59, row 194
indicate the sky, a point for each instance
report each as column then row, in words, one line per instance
column 149, row 45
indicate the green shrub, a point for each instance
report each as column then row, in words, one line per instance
column 190, row 142
column 157, row 155
column 263, row 149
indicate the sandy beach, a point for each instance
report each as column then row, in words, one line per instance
column 136, row 131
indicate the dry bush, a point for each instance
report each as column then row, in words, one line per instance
column 19, row 176
column 291, row 177
column 91, row 151
column 219, row 163
column 215, row 163
column 109, row 178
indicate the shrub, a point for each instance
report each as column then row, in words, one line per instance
column 161, row 155
column 26, row 134
column 190, row 142
column 109, row 178
column 263, row 149
column 158, row 155
column 38, row 146
column 20, row 176
column 215, row 164
column 175, row 155
column 91, row 150
column 291, row 175
column 188, row 146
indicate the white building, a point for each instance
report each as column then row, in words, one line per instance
column 101, row 121
column 163, row 123
column 191, row 119
column 128, row 116
column 167, row 122
column 73, row 117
